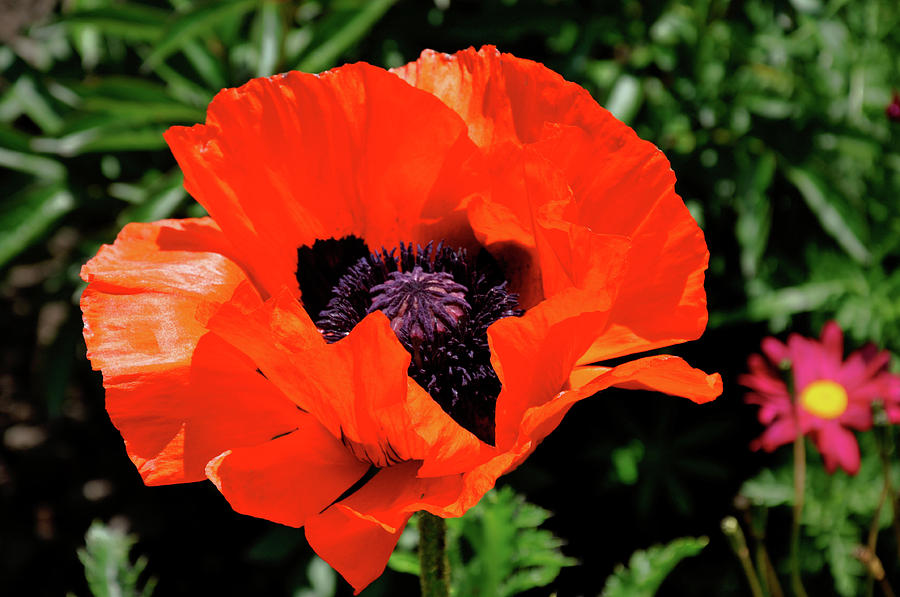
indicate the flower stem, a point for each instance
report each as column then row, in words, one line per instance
column 884, row 446
column 874, row 568
column 434, row 567
column 757, row 524
column 873, row 535
column 799, row 489
column 738, row 542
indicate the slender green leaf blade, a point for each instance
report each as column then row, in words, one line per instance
column 133, row 22
column 822, row 204
column 189, row 25
column 271, row 35
column 26, row 218
column 354, row 26
column 39, row 166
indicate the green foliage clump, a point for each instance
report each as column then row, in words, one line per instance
column 648, row 568
column 837, row 509
column 107, row 565
column 496, row 549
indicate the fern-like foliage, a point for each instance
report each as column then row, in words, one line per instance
column 107, row 566
column 496, row 549
column 648, row 568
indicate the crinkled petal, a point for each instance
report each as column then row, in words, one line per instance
column 357, row 548
column 376, row 514
column 357, row 388
column 535, row 355
column 661, row 373
column 502, row 98
column 621, row 185
column 289, row 478
column 285, row 160
column 178, row 396
column 670, row 375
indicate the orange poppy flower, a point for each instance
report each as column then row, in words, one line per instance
column 345, row 393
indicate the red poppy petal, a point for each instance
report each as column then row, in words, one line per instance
column 377, row 513
column 357, row 388
column 396, row 492
column 670, row 375
column 662, row 301
column 621, row 185
column 482, row 478
column 662, row 373
column 357, row 548
column 177, row 399
column 285, row 160
column 534, row 355
column 502, row 98
column 288, row 479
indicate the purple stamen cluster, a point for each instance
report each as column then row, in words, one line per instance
column 440, row 303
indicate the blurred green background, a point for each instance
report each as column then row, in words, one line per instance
column 772, row 114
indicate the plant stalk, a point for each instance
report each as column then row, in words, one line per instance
column 738, row 543
column 799, row 489
column 891, row 496
column 434, row 567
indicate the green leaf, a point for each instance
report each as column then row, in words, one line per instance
column 823, row 205
column 44, row 168
column 270, row 38
column 322, row 580
column 160, row 200
column 754, row 211
column 626, row 98
column 769, row 489
column 193, row 23
column 134, row 22
column 209, row 67
column 342, row 31
column 404, row 562
column 143, row 111
column 648, row 568
column 103, row 139
column 35, row 105
column 510, row 554
column 107, row 566
column 838, row 507
column 183, row 88
column 784, row 302
column 25, row 218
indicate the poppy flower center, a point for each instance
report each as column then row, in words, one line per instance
column 420, row 305
column 824, row 398
column 440, row 303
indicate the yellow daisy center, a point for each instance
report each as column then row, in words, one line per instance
column 824, row 398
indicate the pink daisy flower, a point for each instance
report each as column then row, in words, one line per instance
column 830, row 395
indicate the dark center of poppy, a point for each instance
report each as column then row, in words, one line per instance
column 420, row 305
column 440, row 303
